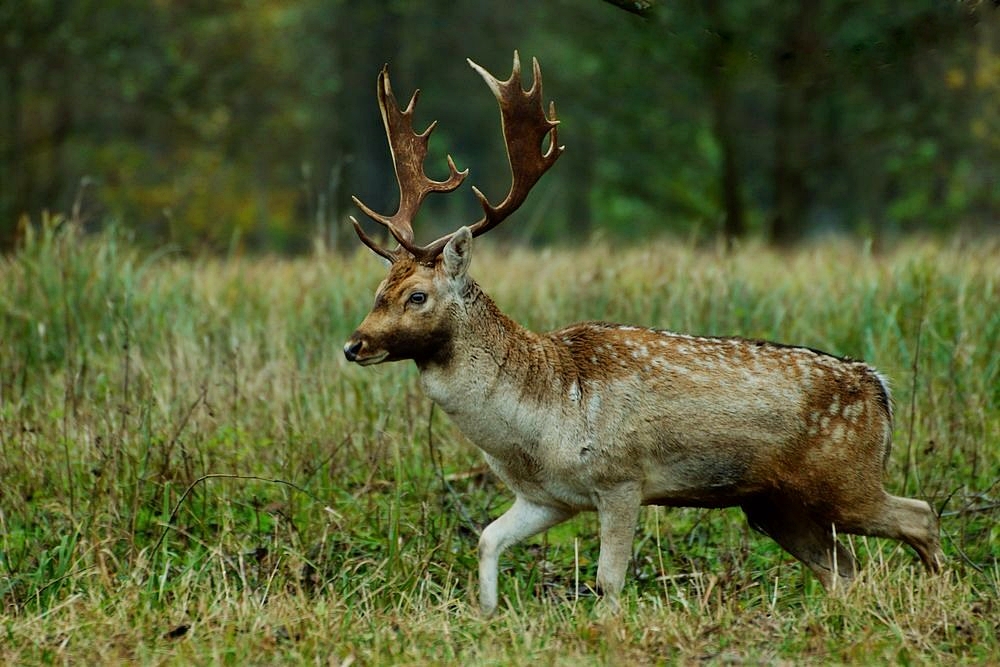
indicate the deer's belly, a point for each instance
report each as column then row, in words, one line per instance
column 528, row 477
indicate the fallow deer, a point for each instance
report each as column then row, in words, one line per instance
column 606, row 417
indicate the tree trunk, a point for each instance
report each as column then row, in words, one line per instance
column 795, row 73
column 11, row 176
column 580, row 219
column 789, row 184
column 720, row 81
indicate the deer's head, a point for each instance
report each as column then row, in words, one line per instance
column 417, row 303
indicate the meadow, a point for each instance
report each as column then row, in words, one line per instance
column 191, row 473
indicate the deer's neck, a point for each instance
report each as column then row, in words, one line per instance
column 499, row 380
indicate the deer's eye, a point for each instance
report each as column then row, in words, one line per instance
column 418, row 298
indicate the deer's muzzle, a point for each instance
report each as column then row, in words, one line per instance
column 358, row 351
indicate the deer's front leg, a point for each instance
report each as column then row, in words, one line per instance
column 521, row 521
column 617, row 510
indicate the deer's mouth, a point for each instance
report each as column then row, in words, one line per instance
column 355, row 350
column 372, row 360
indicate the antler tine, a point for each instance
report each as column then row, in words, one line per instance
column 368, row 241
column 525, row 125
column 409, row 151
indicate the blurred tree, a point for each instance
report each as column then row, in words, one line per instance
column 230, row 124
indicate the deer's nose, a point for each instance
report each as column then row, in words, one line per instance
column 352, row 347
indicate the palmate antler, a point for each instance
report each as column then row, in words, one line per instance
column 525, row 125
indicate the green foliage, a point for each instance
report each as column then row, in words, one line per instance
column 231, row 125
column 191, row 473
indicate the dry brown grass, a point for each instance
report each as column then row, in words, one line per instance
column 190, row 473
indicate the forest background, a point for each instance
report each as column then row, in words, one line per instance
column 248, row 125
column 192, row 473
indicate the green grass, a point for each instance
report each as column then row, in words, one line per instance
column 191, row 473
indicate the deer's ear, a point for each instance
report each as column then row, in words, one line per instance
column 458, row 253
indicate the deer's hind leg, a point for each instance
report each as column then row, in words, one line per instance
column 904, row 519
column 815, row 545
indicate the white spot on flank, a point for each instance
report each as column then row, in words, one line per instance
column 640, row 353
column 594, row 407
column 574, row 392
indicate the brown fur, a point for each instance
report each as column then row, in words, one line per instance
column 598, row 416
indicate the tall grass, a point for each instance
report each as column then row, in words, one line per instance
column 191, row 473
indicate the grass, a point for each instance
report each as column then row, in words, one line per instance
column 190, row 473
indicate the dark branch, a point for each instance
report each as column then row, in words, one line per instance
column 643, row 8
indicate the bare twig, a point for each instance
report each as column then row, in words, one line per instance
column 643, row 8
column 221, row 475
column 972, row 510
column 182, row 424
column 439, row 469
column 915, row 368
